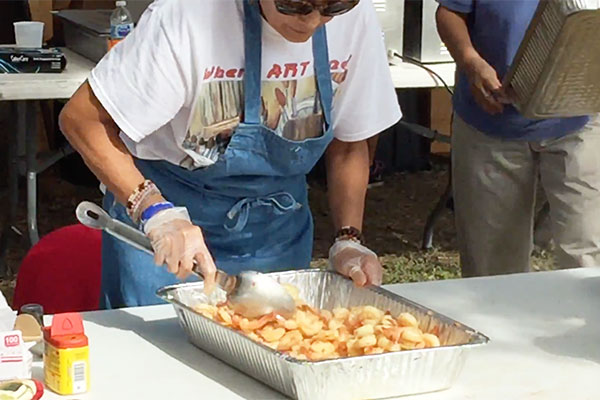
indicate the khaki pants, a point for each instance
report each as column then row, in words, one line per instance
column 494, row 185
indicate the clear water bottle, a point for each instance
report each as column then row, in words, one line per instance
column 121, row 23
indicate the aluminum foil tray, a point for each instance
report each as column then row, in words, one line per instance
column 556, row 72
column 363, row 377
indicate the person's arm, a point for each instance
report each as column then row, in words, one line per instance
column 453, row 30
column 129, row 93
column 95, row 136
column 485, row 84
column 347, row 179
column 365, row 104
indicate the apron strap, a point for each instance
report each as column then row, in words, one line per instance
column 253, row 60
column 323, row 72
column 281, row 203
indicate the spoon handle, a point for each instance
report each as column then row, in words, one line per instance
column 94, row 216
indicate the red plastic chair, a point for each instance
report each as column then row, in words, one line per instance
column 62, row 272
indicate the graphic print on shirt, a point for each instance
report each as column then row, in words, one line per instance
column 291, row 108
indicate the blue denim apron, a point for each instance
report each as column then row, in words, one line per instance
column 251, row 204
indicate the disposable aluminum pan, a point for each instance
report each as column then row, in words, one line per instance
column 364, row 377
column 556, row 72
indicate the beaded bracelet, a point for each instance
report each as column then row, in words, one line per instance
column 138, row 209
column 136, row 198
column 349, row 233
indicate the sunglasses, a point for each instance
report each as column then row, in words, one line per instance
column 331, row 8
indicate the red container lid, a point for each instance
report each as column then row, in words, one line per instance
column 66, row 331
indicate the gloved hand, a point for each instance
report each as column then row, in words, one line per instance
column 357, row 262
column 177, row 242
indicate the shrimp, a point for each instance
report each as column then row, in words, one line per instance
column 224, row 317
column 313, row 334
column 395, row 347
column 335, row 324
column 353, row 348
column 290, row 325
column 255, row 324
column 371, row 313
column 308, row 324
column 364, row 330
column 393, row 334
column 327, row 335
column 206, row 310
column 407, row 319
column 326, row 316
column 384, row 343
column 431, row 340
column 289, row 340
column 412, row 335
column 374, row 350
column 271, row 334
column 321, row 350
column 388, row 321
column 367, row 341
column 340, row 313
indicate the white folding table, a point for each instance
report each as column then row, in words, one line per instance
column 26, row 89
column 544, row 329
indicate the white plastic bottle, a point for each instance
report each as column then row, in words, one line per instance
column 121, row 23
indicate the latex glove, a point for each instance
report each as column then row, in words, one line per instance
column 357, row 262
column 485, row 85
column 177, row 242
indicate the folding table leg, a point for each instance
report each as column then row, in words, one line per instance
column 31, row 172
column 441, row 205
column 13, row 189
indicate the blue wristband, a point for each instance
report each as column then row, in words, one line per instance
column 153, row 210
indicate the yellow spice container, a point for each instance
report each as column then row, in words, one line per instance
column 66, row 355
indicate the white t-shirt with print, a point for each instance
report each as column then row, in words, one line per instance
column 175, row 85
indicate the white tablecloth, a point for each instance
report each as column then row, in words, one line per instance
column 47, row 86
column 544, row 329
column 63, row 85
column 407, row 75
column 7, row 315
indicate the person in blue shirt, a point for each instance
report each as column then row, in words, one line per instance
column 499, row 157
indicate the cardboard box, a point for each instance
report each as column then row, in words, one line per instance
column 19, row 61
column 441, row 119
column 15, row 358
column 41, row 10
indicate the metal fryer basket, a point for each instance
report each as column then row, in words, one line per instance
column 372, row 376
column 556, row 72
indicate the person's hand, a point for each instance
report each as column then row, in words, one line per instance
column 485, row 86
column 177, row 242
column 357, row 262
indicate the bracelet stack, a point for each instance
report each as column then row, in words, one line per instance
column 349, row 233
column 136, row 199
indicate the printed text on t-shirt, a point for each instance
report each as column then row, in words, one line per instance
column 277, row 71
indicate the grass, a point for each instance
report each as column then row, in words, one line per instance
column 395, row 216
column 435, row 264
column 414, row 266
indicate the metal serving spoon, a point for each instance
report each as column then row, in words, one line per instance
column 251, row 293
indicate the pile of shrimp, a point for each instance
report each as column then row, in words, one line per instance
column 316, row 335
